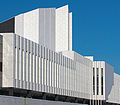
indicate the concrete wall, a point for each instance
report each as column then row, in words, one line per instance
column 8, row 63
column 19, row 25
column 63, row 29
column 70, row 32
column 31, row 25
column 99, row 65
column 82, row 74
column 38, row 26
column 62, row 32
column 9, row 100
column 108, row 77
column 49, row 27
column 114, row 96
column 34, row 67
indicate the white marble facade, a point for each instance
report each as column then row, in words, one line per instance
column 39, row 57
column 50, row 27
column 35, row 67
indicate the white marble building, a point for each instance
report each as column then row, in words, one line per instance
column 50, row 27
column 34, row 67
column 37, row 60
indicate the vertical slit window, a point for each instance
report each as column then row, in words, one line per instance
column 93, row 81
column 97, row 81
column 1, row 66
column 101, row 81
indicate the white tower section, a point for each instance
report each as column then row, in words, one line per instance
column 38, row 26
column 49, row 27
column 70, row 32
column 63, row 29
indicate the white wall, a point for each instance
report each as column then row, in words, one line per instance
column 89, row 57
column 27, row 25
column 82, row 74
column 99, row 65
column 62, row 23
column 37, row 68
column 114, row 96
column 70, row 31
column 19, row 25
column 109, row 79
column 8, row 53
column 31, row 25
column 47, row 27
column 38, row 26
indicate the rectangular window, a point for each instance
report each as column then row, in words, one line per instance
column 97, row 81
column 41, row 52
column 49, row 55
column 101, row 81
column 93, row 81
column 44, row 52
column 1, row 66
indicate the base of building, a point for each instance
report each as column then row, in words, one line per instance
column 41, row 95
column 11, row 100
column 28, row 94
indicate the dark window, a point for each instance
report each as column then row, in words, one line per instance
column 1, row 66
column 41, row 52
column 93, row 81
column 97, row 81
column 7, row 26
column 101, row 81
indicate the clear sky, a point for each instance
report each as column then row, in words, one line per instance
column 96, row 24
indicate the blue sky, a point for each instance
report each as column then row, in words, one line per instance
column 96, row 24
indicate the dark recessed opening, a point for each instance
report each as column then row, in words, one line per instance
column 7, row 26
